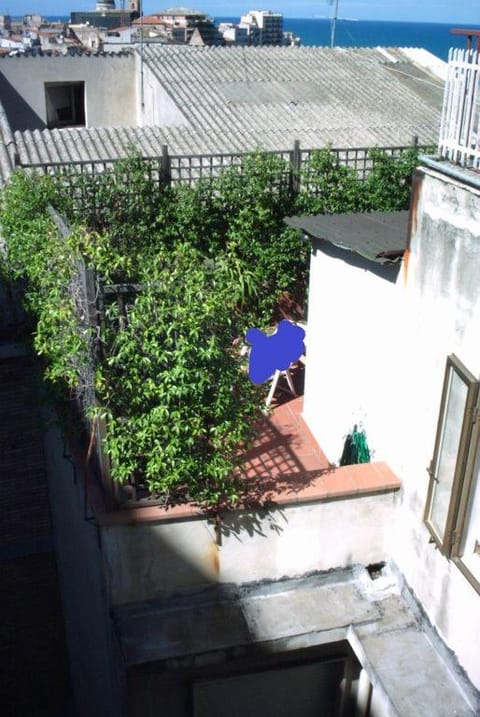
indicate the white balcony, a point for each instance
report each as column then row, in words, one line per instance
column 459, row 140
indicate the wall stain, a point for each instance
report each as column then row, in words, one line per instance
column 215, row 557
column 417, row 181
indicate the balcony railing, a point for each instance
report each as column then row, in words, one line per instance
column 460, row 126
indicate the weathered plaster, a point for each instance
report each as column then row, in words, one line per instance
column 345, row 608
column 110, row 93
column 377, row 353
column 150, row 561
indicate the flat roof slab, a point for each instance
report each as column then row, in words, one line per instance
column 408, row 673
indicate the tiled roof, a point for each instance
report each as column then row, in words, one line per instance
column 149, row 20
column 343, row 96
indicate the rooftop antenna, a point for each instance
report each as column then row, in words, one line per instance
column 333, row 26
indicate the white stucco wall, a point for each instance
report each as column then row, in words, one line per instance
column 351, row 371
column 110, row 88
column 152, row 560
column 159, row 106
column 377, row 352
column 442, row 305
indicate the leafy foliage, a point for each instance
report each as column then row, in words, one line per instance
column 211, row 259
column 387, row 174
column 330, row 186
column 184, row 405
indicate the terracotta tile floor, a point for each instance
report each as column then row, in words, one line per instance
column 285, row 458
column 285, row 465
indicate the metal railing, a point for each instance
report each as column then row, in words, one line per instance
column 459, row 140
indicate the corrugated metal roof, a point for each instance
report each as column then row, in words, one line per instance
column 378, row 236
column 241, row 99
column 360, row 92
column 72, row 145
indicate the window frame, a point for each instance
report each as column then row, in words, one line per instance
column 461, row 527
column 449, row 543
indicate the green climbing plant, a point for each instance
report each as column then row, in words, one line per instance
column 210, row 261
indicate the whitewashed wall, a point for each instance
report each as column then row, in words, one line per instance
column 352, row 372
column 110, row 93
column 443, row 316
column 159, row 107
column 377, row 351
column 153, row 560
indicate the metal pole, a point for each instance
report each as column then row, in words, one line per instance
column 142, row 90
column 334, row 24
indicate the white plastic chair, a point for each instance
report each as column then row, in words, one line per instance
column 273, row 386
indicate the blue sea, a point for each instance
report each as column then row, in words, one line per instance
column 434, row 37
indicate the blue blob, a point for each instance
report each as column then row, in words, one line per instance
column 276, row 352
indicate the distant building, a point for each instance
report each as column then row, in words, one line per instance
column 106, row 15
column 233, row 34
column 88, row 36
column 117, row 36
column 14, row 42
column 34, row 20
column 263, row 27
column 106, row 5
column 5, row 22
column 258, row 27
column 180, row 26
column 135, row 7
column 291, row 40
column 105, row 19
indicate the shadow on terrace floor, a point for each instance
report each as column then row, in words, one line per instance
column 285, row 458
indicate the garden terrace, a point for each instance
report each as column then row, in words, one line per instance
column 141, row 304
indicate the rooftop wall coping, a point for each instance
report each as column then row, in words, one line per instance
column 346, row 482
column 454, row 171
column 79, row 52
column 328, row 482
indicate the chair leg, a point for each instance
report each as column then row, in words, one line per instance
column 288, row 376
column 273, row 387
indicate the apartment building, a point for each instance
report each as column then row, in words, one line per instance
column 263, row 27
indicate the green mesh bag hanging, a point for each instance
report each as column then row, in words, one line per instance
column 355, row 449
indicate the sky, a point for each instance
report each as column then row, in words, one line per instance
column 461, row 12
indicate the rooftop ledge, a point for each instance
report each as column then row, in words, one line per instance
column 455, row 171
column 285, row 467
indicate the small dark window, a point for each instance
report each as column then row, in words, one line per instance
column 65, row 104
